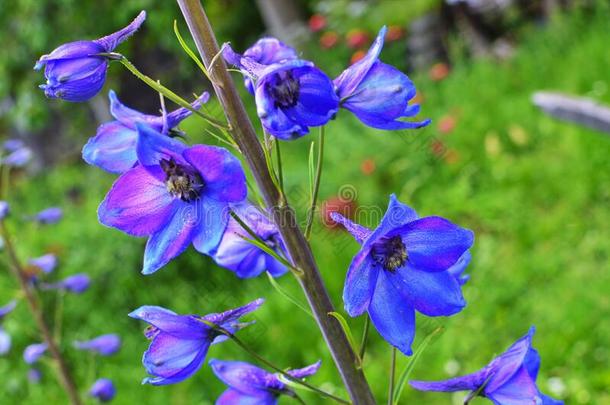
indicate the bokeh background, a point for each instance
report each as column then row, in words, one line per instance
column 535, row 190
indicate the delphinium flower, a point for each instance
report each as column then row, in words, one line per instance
column 403, row 266
column 5, row 209
column 104, row 345
column 509, row 379
column 48, row 216
column 18, row 158
column 12, row 145
column 113, row 148
column 242, row 257
column 77, row 283
column 179, row 343
column 103, row 390
column 76, row 71
column 377, row 93
column 457, row 270
column 291, row 95
column 46, row 263
column 5, row 338
column 249, row 384
column 33, row 352
column 34, row 375
column 176, row 195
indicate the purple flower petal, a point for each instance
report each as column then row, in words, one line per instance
column 152, row 147
column 18, row 158
column 113, row 148
column 359, row 284
column 46, row 263
column 183, row 326
column 213, row 219
column 49, row 215
column 305, row 371
column 519, row 390
column 33, row 352
column 105, row 345
column 234, row 397
column 4, row 209
column 459, row 267
column 396, row 215
column 111, row 41
column 359, row 232
column 137, row 204
column 392, row 315
column 5, row 342
column 7, row 309
column 227, row 318
column 469, row 382
column 510, row 362
column 103, row 389
column 244, row 377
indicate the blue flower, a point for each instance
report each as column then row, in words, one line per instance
column 113, row 148
column 509, row 379
column 5, row 209
column 5, row 338
column 251, row 385
column 76, row 71
column 18, row 158
column 46, row 263
column 378, row 94
column 105, row 345
column 12, row 145
column 34, row 375
column 33, row 352
column 179, row 343
column 242, row 257
column 403, row 266
column 176, row 195
column 267, row 51
column 103, row 389
column 290, row 96
column 48, row 216
column 77, row 283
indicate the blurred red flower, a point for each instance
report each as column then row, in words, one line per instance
column 317, row 22
column 439, row 71
column 357, row 38
column 357, row 56
column 329, row 39
column 345, row 207
column 368, row 166
column 395, row 32
column 446, row 124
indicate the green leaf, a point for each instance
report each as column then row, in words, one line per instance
column 404, row 376
column 286, row 295
column 190, row 52
column 348, row 333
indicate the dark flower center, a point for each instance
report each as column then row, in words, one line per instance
column 180, row 181
column 391, row 253
column 284, row 89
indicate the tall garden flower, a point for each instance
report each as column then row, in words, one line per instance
column 403, row 266
column 5, row 338
column 291, row 95
column 76, row 71
column 104, row 345
column 179, row 343
column 249, row 384
column 267, row 51
column 176, row 195
column 46, row 263
column 378, row 94
column 113, row 148
column 33, row 352
column 76, row 283
column 509, row 379
column 103, row 390
column 242, row 257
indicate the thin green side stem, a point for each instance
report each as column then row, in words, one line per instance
column 280, row 173
column 365, row 337
column 392, row 378
column 316, row 185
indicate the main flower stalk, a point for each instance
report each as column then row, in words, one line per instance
column 283, row 215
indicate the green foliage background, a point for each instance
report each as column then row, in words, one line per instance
column 534, row 190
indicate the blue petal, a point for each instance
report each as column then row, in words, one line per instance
column 71, row 50
column 7, row 309
column 546, row 400
column 244, row 377
column 227, row 318
column 392, row 315
column 182, row 326
column 432, row 294
column 128, row 116
column 5, row 342
column 359, row 284
column 519, row 390
column 305, row 371
column 435, row 244
column 84, row 78
column 113, row 148
column 152, row 147
column 511, row 361
column 33, row 352
column 274, row 120
column 396, row 215
column 469, row 382
column 233, row 397
column 212, row 220
column 171, row 240
column 459, row 267
column 359, row 232
column 111, row 41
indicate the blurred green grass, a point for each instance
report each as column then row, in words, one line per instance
column 534, row 190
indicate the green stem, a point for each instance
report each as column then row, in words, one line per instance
column 316, row 185
column 280, row 173
column 365, row 337
column 392, row 377
column 59, row 309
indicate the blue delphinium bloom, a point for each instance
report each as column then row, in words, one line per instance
column 46, row 263
column 113, row 148
column 5, row 209
column 103, row 389
column 48, row 216
column 105, row 345
column 252, row 385
column 5, row 338
column 179, row 343
column 12, row 145
column 76, row 71
column 378, row 94
column 242, row 257
column 290, row 96
column 18, row 158
column 267, row 51
column 176, row 195
column 33, row 352
column 77, row 283
column 509, row 379
column 401, row 267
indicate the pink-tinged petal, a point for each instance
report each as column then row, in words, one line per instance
column 234, row 397
column 432, row 294
column 111, row 41
column 223, row 176
column 182, row 326
column 392, row 315
column 435, row 244
column 113, row 148
column 244, row 377
column 137, row 204
column 359, row 284
column 172, row 239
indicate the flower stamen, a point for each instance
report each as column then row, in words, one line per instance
column 391, row 253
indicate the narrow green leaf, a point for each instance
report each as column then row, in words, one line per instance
column 348, row 333
column 404, row 376
column 286, row 295
column 189, row 51
column 311, row 169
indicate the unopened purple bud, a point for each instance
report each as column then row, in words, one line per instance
column 4, row 209
column 46, row 263
column 103, row 389
column 33, row 352
column 18, row 158
column 50, row 215
column 105, row 345
column 77, row 283
column 34, row 375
